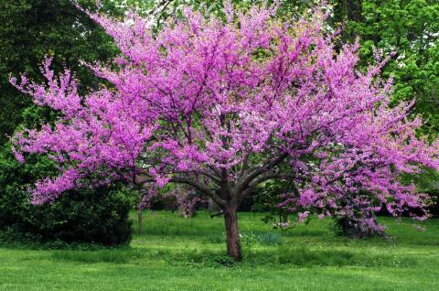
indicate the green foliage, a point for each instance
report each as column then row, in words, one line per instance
column 410, row 29
column 353, row 228
column 427, row 182
column 267, row 200
column 71, row 218
column 31, row 29
column 13, row 179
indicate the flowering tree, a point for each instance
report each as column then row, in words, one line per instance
column 223, row 106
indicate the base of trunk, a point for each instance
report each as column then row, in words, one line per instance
column 140, row 221
column 232, row 233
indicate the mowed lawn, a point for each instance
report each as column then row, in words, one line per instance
column 188, row 254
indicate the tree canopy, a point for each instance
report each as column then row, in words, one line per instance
column 223, row 105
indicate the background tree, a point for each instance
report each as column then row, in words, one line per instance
column 31, row 29
column 409, row 29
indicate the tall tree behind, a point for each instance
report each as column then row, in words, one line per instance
column 408, row 31
column 30, row 29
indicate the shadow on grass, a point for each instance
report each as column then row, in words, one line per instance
column 306, row 233
column 25, row 243
column 113, row 256
column 304, row 257
column 280, row 256
column 191, row 231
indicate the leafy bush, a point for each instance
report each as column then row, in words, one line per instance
column 99, row 216
column 357, row 227
column 84, row 216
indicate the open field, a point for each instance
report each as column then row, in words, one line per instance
column 187, row 254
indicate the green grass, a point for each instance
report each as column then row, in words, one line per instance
column 188, row 254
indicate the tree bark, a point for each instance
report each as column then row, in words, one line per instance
column 284, row 217
column 214, row 208
column 232, row 232
column 140, row 221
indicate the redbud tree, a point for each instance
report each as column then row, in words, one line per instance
column 224, row 104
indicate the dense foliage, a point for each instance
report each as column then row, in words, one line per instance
column 410, row 30
column 83, row 216
column 31, row 29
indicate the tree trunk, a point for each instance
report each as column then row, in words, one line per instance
column 232, row 232
column 213, row 208
column 284, row 217
column 140, row 221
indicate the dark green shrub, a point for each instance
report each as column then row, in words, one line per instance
column 99, row 216
column 356, row 227
column 95, row 216
column 84, row 216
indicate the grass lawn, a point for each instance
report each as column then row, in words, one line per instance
column 187, row 254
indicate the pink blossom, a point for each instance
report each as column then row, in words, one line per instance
column 302, row 216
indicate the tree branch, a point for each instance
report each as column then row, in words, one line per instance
column 199, row 186
column 262, row 178
column 258, row 171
